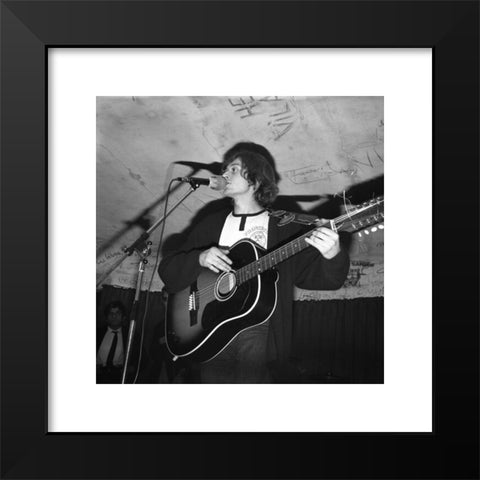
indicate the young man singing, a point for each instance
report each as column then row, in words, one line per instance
column 262, row 353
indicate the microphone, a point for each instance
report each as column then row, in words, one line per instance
column 215, row 182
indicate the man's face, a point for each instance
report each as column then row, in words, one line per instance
column 115, row 318
column 236, row 183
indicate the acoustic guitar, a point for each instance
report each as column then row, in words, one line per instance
column 205, row 317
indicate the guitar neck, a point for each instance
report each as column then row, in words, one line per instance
column 273, row 258
column 367, row 214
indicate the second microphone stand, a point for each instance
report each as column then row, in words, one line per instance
column 142, row 246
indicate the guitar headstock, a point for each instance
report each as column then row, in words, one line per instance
column 364, row 218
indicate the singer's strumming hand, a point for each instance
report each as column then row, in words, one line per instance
column 216, row 260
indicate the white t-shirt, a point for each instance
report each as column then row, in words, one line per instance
column 237, row 227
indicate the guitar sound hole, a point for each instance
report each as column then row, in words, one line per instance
column 226, row 284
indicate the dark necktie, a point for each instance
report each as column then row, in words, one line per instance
column 113, row 347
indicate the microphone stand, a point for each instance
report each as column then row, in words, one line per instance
column 140, row 220
column 145, row 235
column 133, row 314
column 142, row 246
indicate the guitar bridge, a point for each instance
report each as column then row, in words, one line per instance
column 193, row 304
column 193, row 301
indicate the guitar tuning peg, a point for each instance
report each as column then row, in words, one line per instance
column 374, row 229
column 367, row 232
column 381, row 227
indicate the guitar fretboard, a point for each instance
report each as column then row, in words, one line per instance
column 369, row 214
column 271, row 259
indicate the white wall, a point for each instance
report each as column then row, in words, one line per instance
column 321, row 145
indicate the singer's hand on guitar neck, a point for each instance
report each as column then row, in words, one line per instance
column 216, row 260
column 326, row 241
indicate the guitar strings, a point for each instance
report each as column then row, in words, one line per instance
column 249, row 268
column 209, row 289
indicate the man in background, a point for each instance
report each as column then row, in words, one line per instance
column 111, row 344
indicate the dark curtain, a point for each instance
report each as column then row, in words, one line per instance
column 340, row 341
column 335, row 341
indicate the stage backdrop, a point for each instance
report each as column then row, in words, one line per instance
column 328, row 152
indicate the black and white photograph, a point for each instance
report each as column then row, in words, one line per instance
column 252, row 234
column 219, row 170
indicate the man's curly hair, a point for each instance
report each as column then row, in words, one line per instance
column 258, row 169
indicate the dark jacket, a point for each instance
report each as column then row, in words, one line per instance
column 103, row 330
column 134, row 352
column 308, row 270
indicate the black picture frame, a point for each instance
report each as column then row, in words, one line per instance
column 29, row 29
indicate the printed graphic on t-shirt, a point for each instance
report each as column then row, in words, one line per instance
column 258, row 234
